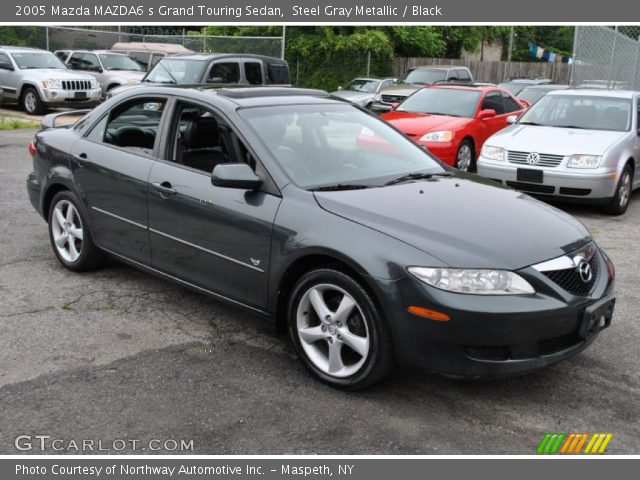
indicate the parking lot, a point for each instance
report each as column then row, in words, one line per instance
column 119, row 354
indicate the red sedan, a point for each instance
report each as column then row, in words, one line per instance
column 453, row 121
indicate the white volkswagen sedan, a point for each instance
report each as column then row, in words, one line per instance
column 579, row 145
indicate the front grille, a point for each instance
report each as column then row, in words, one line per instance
column 569, row 279
column 578, row 192
column 532, row 187
column 76, row 85
column 393, row 98
column 488, row 352
column 557, row 344
column 546, row 159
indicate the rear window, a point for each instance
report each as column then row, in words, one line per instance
column 278, row 74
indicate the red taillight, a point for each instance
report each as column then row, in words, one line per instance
column 32, row 148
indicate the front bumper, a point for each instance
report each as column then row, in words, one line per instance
column 445, row 151
column 68, row 98
column 597, row 185
column 495, row 336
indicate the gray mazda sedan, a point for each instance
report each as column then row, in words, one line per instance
column 324, row 218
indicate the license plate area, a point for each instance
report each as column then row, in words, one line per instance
column 530, row 176
column 596, row 317
column 80, row 95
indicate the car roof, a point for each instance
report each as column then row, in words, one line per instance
column 439, row 67
column 547, row 86
column 110, row 52
column 9, row 48
column 212, row 56
column 461, row 86
column 528, row 80
column 595, row 92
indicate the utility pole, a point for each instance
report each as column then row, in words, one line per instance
column 284, row 40
column 511, row 35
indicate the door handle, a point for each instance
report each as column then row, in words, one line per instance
column 164, row 188
column 81, row 156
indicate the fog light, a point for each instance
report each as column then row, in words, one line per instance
column 430, row 314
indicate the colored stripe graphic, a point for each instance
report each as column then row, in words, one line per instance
column 572, row 443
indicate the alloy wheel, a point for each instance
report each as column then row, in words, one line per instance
column 463, row 159
column 30, row 102
column 625, row 189
column 67, row 230
column 333, row 330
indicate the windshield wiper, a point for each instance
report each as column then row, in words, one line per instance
column 571, row 126
column 532, row 123
column 340, row 186
column 416, row 176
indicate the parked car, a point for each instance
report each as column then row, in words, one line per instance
column 37, row 79
column 261, row 197
column 516, row 85
column 536, row 92
column 453, row 121
column 110, row 69
column 363, row 91
column 418, row 77
column 577, row 145
column 220, row 68
column 147, row 54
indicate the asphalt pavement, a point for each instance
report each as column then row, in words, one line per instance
column 119, row 355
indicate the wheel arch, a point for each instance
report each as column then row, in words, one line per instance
column 306, row 263
column 24, row 87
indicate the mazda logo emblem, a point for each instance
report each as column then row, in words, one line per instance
column 584, row 269
column 533, row 158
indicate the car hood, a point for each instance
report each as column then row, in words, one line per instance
column 553, row 140
column 57, row 74
column 352, row 96
column 405, row 89
column 420, row 123
column 464, row 221
column 127, row 74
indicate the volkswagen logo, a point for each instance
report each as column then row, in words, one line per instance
column 585, row 272
column 533, row 158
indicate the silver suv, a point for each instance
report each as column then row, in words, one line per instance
column 109, row 68
column 578, row 145
column 37, row 79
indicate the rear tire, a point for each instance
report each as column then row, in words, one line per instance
column 620, row 201
column 70, row 236
column 338, row 332
column 31, row 102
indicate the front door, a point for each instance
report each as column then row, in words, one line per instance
column 216, row 238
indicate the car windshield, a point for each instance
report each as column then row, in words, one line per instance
column 531, row 94
column 455, row 102
column 580, row 111
column 514, row 87
column 362, row 85
column 111, row 61
column 337, row 146
column 37, row 60
column 176, row 70
column 425, row 76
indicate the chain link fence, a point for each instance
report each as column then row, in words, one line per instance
column 61, row 38
column 606, row 57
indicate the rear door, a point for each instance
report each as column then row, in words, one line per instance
column 111, row 166
column 7, row 77
column 216, row 238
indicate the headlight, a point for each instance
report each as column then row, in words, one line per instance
column 493, row 153
column 441, row 136
column 584, row 161
column 475, row 282
column 52, row 84
column 94, row 83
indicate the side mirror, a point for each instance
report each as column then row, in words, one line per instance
column 235, row 175
column 487, row 113
column 512, row 118
column 6, row 66
column 97, row 68
column 395, row 105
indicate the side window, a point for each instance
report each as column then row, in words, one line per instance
column 75, row 61
column 510, row 104
column 4, row 59
column 464, row 76
column 253, row 72
column 90, row 62
column 278, row 74
column 493, row 101
column 386, row 84
column 155, row 58
column 62, row 56
column 202, row 139
column 224, row 72
column 132, row 126
column 452, row 76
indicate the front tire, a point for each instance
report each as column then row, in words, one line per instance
column 31, row 102
column 620, row 201
column 465, row 157
column 338, row 331
column 70, row 236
